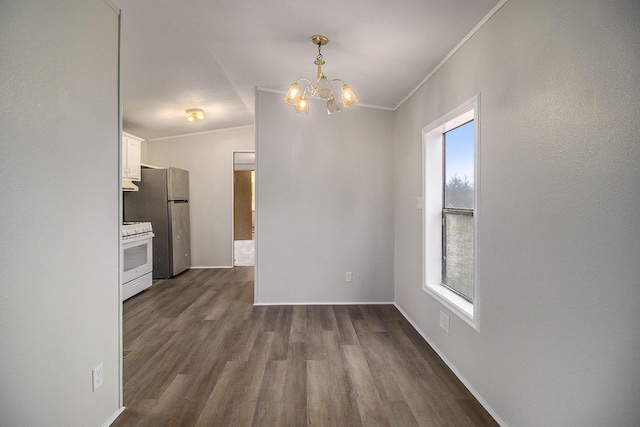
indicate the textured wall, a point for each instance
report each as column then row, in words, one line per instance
column 209, row 159
column 559, row 231
column 59, row 215
column 323, row 203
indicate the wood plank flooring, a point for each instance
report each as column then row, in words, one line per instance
column 198, row 353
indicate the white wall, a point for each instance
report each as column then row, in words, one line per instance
column 323, row 203
column 59, row 216
column 209, row 159
column 559, row 245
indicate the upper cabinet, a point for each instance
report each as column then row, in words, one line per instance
column 131, row 151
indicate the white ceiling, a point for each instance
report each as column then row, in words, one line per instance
column 212, row 54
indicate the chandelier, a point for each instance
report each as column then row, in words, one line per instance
column 322, row 89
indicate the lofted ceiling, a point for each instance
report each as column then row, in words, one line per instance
column 212, row 54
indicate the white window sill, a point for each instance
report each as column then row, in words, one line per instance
column 454, row 302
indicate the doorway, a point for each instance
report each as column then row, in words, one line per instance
column 243, row 208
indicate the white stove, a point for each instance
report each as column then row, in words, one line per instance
column 137, row 257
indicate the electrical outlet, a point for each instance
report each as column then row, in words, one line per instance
column 98, row 376
column 348, row 277
column 444, row 322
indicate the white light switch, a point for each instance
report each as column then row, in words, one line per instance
column 419, row 202
column 348, row 277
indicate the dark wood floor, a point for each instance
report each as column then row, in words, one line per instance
column 197, row 353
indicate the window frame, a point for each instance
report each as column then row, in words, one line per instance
column 432, row 215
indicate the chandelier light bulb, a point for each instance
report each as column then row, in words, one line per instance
column 302, row 106
column 332, row 105
column 348, row 96
column 324, row 88
column 293, row 94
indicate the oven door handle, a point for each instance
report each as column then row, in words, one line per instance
column 137, row 238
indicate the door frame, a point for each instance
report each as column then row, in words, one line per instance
column 233, row 169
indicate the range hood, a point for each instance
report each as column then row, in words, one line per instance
column 128, row 185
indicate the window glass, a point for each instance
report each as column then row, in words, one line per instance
column 135, row 256
column 457, row 210
column 458, row 167
column 458, row 254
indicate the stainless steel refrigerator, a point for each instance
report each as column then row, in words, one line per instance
column 163, row 199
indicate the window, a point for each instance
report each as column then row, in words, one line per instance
column 450, row 148
column 457, row 210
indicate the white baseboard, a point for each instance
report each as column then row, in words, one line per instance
column 453, row 368
column 258, row 304
column 199, row 267
column 113, row 417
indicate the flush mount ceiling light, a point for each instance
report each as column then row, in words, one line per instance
column 322, row 89
column 195, row 115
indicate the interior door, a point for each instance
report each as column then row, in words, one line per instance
column 242, row 222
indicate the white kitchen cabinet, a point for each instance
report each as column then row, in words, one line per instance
column 131, row 149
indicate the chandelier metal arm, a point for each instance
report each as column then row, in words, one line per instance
column 305, row 79
column 310, row 89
